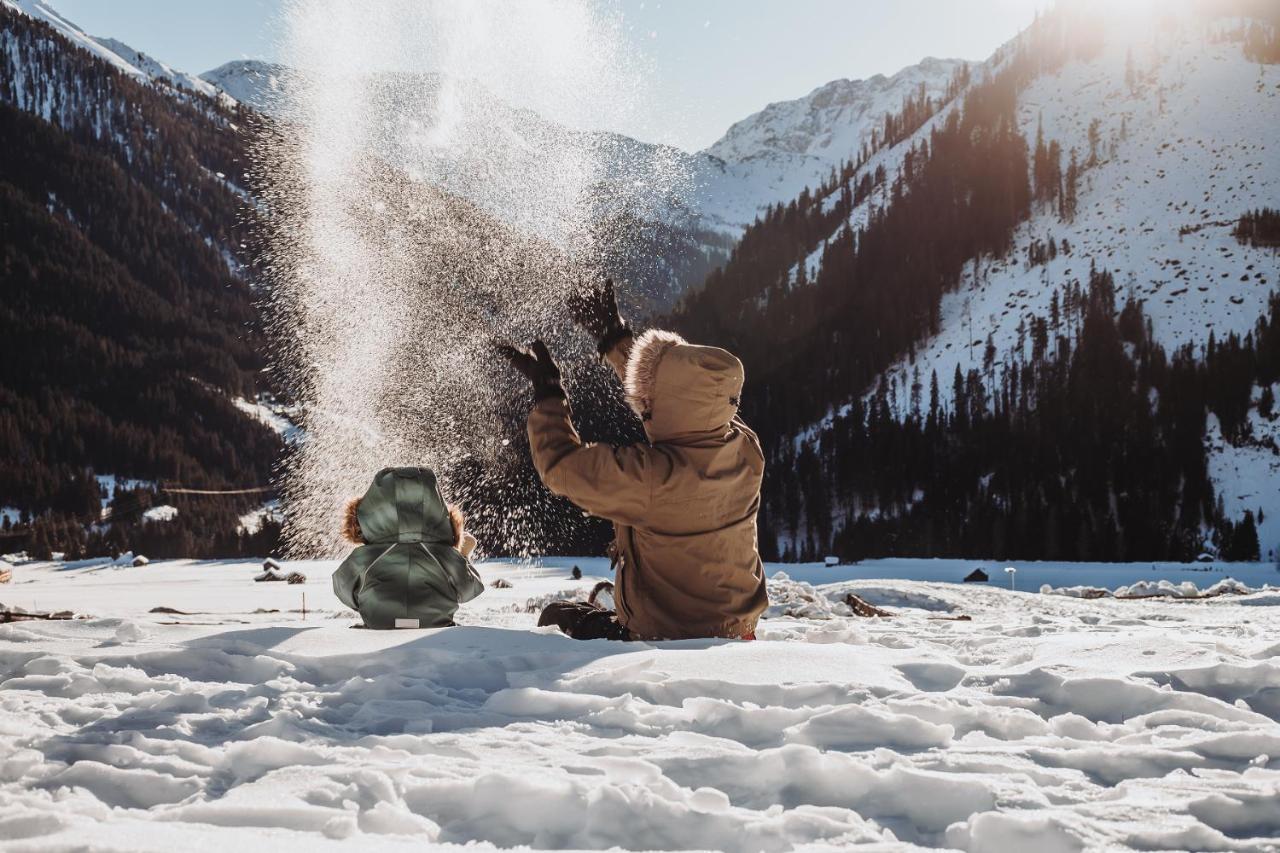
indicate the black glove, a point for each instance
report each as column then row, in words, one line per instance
column 596, row 310
column 537, row 366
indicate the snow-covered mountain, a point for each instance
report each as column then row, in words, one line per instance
column 766, row 158
column 1180, row 155
column 155, row 69
column 1183, row 148
column 1169, row 111
column 135, row 63
column 257, row 84
column 772, row 155
column 689, row 207
column 1180, row 152
column 689, row 217
column 124, row 224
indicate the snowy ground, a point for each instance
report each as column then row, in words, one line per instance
column 1044, row 723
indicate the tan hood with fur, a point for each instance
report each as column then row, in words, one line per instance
column 679, row 389
column 683, row 504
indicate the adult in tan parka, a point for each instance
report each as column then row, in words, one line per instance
column 683, row 504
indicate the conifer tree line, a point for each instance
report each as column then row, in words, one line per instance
column 1031, row 458
column 128, row 319
column 1259, row 227
column 1256, row 27
column 1085, row 443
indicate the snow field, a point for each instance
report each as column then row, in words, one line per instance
column 1042, row 722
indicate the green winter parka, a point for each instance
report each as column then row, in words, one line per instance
column 409, row 574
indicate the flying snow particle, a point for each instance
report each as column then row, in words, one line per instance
column 418, row 216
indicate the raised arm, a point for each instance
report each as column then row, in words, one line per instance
column 612, row 483
column 608, row 482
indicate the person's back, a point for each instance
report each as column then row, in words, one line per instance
column 411, row 569
column 684, row 505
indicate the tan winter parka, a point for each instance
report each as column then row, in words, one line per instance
column 684, row 504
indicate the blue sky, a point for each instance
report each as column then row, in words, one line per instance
column 713, row 61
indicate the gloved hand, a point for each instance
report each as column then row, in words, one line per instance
column 537, row 366
column 596, row 310
column 469, row 544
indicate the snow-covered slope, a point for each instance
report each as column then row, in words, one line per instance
column 771, row 156
column 257, row 84
column 156, row 70
column 832, row 121
column 1247, row 474
column 46, row 13
column 133, row 62
column 1180, row 157
column 973, row 718
column 1184, row 143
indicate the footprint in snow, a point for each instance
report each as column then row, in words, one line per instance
column 932, row 677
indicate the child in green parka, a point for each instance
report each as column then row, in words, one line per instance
column 411, row 568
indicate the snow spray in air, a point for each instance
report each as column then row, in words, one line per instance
column 432, row 187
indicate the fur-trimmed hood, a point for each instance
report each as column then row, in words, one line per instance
column 678, row 388
column 405, row 505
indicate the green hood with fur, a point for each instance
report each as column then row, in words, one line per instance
column 409, row 575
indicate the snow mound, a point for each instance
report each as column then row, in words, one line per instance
column 1157, row 589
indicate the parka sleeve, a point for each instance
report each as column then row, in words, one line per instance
column 347, row 577
column 612, row 483
column 739, row 424
column 344, row 583
column 618, row 354
column 469, row 585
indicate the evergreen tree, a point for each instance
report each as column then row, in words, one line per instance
column 1068, row 209
column 1095, row 137
column 1245, row 540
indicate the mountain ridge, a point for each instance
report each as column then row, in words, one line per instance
column 123, row 57
column 725, row 185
